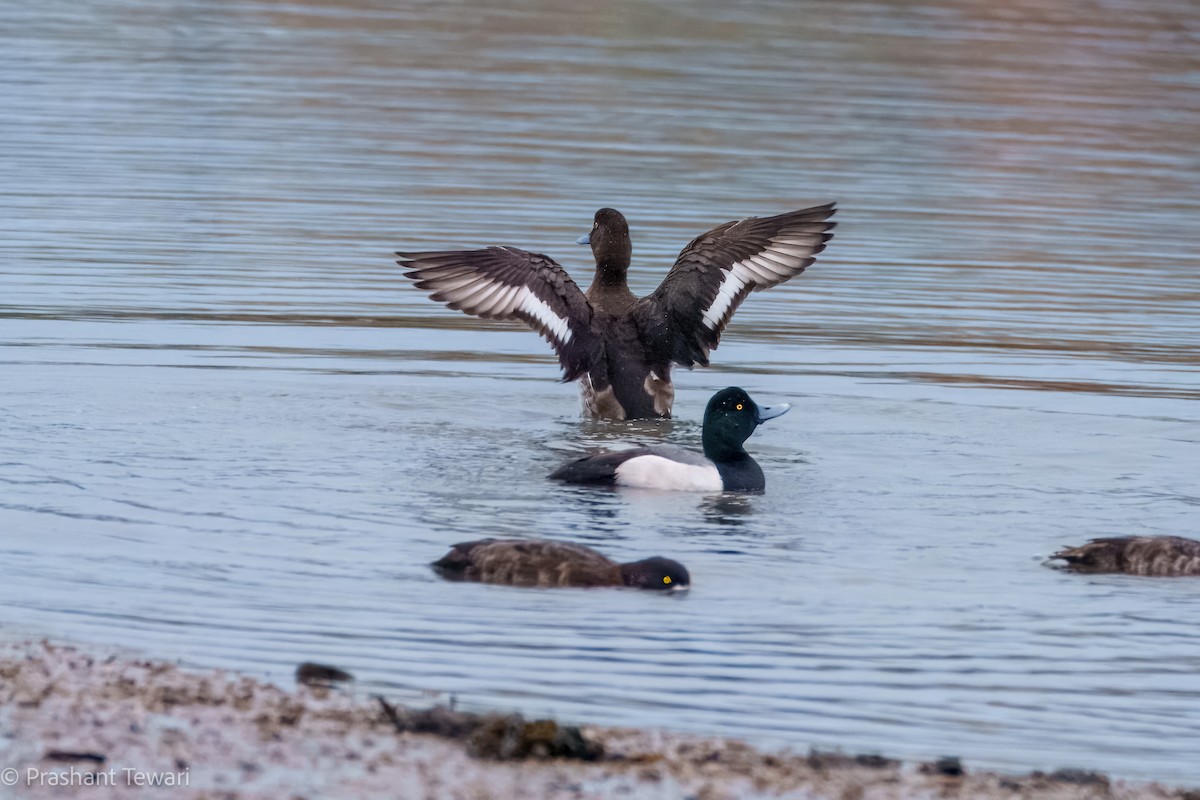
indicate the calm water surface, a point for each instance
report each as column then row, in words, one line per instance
column 232, row 434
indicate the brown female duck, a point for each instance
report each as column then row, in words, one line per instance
column 1154, row 556
column 546, row 564
column 619, row 347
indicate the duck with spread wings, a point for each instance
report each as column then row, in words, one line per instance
column 619, row 347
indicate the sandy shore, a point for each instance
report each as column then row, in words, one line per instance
column 78, row 725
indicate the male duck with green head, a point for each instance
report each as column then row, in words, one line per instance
column 724, row 466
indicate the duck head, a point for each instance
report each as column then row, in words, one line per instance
column 609, row 238
column 655, row 573
column 730, row 418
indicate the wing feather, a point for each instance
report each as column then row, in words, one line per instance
column 508, row 283
column 682, row 320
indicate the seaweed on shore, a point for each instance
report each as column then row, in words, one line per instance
column 500, row 737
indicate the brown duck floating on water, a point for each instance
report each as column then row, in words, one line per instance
column 1153, row 556
column 546, row 564
column 311, row 673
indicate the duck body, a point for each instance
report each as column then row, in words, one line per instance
column 548, row 564
column 1151, row 556
column 622, row 382
column 622, row 348
column 659, row 467
column 724, row 466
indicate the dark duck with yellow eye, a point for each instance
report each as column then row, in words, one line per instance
column 548, row 564
column 725, row 466
column 1151, row 556
column 619, row 347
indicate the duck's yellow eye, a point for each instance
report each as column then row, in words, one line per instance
column 666, row 578
column 739, row 406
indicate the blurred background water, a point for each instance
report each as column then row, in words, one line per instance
column 231, row 433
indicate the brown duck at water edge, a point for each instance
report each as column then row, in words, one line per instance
column 1152, row 556
column 546, row 564
column 620, row 348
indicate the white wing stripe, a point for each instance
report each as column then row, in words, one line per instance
column 537, row 308
column 731, row 284
column 778, row 262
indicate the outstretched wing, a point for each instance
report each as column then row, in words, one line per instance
column 684, row 317
column 507, row 283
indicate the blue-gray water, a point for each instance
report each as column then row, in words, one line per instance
column 231, row 433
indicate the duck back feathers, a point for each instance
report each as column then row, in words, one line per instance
column 528, row 563
column 550, row 564
column 1153, row 556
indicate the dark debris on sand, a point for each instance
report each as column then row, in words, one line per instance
column 502, row 737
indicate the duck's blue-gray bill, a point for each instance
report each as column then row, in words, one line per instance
column 771, row 412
